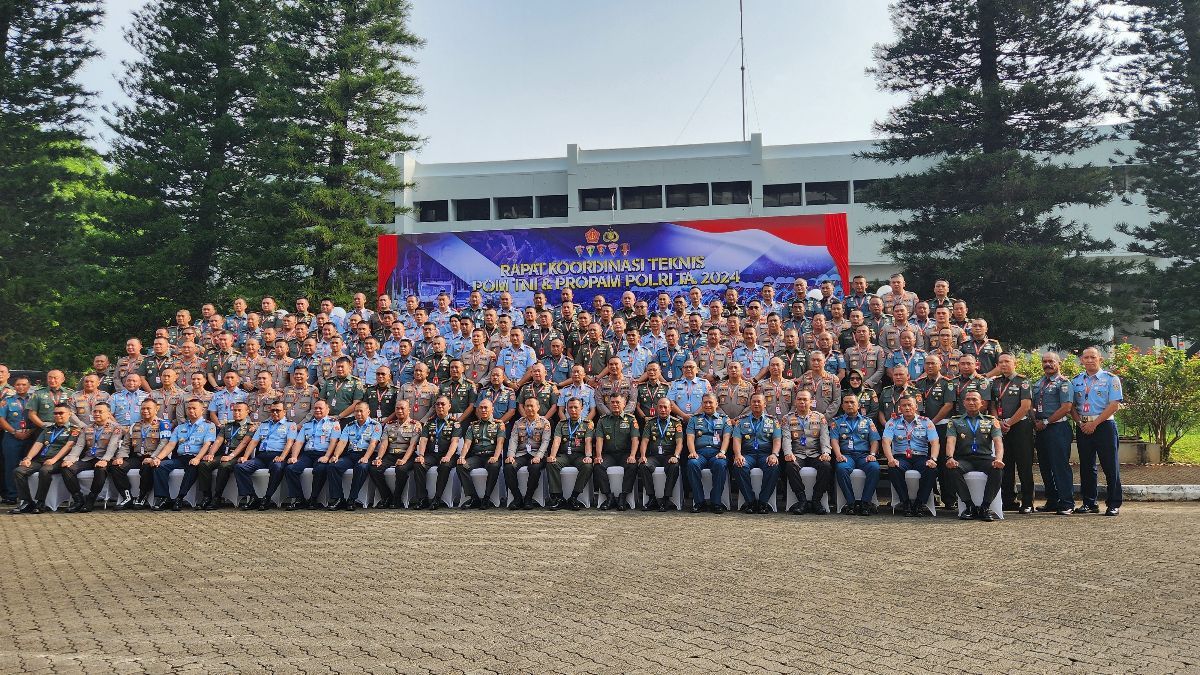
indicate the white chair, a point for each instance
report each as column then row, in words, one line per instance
column 389, row 477
column 323, row 498
column 976, row 483
column 659, row 485
column 448, row 498
column 756, row 478
column 479, row 478
column 616, row 475
column 570, row 475
column 175, row 481
column 706, row 482
column 858, row 480
column 808, row 476
column 55, row 496
column 913, row 480
column 523, row 485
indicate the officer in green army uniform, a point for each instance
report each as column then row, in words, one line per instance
column 234, row 436
column 662, row 445
column 44, row 400
column 939, row 398
column 45, row 459
column 651, row 390
column 1012, row 404
column 969, row 381
column 572, row 446
column 482, row 447
column 152, row 366
column 343, row 391
column 438, row 447
column 542, row 389
column 460, row 391
column 889, row 399
column 974, row 443
column 617, row 442
column 224, row 359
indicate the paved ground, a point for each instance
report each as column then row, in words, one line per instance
column 481, row 592
column 1146, row 474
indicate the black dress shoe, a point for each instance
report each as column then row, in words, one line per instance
column 471, row 503
column 336, row 505
column 1046, row 508
column 89, row 503
column 1026, row 510
column 1112, row 511
column 1064, row 512
column 352, row 505
column 208, row 505
column 968, row 513
column 39, row 507
column 178, row 505
column 22, row 507
column 76, row 504
column 555, row 503
column 797, row 508
column 1093, row 508
column 435, row 505
column 528, row 503
column 314, row 504
column 291, row 505
column 160, row 504
column 718, row 508
column 985, row 515
column 699, row 507
column 516, row 504
column 667, row 505
column 818, row 509
column 623, row 502
column 485, row 504
column 574, row 504
column 608, row 503
column 923, row 511
column 850, row 509
column 651, row 504
column 263, row 504
column 125, row 501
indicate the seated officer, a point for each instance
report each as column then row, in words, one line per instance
column 662, row 444
column 708, row 445
column 757, row 441
column 437, row 448
column 806, row 443
column 571, row 446
column 190, row 441
column 399, row 449
column 910, row 443
column 616, row 445
column 310, row 442
column 527, row 446
column 232, row 437
column 267, row 450
column 357, row 443
column 147, row 437
column 43, row 458
column 974, row 443
column 97, row 445
column 855, row 446
column 482, row 445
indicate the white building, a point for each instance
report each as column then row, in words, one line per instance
column 694, row 182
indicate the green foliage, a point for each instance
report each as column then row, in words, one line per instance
column 994, row 88
column 1162, row 392
column 1161, row 82
column 1029, row 364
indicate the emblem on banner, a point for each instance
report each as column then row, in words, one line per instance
column 625, row 249
column 611, row 236
column 591, row 250
column 592, row 236
column 612, row 249
column 579, row 250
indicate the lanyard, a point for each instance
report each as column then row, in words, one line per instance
column 662, row 428
column 55, row 434
column 96, row 439
column 437, row 429
column 1046, row 383
column 1003, row 392
column 974, row 434
column 756, row 430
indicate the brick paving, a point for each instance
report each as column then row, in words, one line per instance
column 599, row 593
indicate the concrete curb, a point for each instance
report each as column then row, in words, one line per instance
column 1160, row 493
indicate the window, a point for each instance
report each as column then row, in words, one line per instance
column 552, row 206
column 597, row 199
column 433, row 212
column 734, row 192
column 861, row 187
column 783, row 194
column 642, row 197
column 834, row 192
column 690, row 194
column 508, row 208
column 472, row 209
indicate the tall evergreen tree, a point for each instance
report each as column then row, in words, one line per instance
column 336, row 110
column 180, row 151
column 1162, row 82
column 995, row 95
column 45, row 193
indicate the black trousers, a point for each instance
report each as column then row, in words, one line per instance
column 120, row 475
column 535, row 475
column 945, row 477
column 1018, row 461
column 983, row 464
column 380, row 480
column 600, row 473
column 824, row 477
column 70, row 476
column 478, row 461
column 444, row 469
column 671, row 469
column 44, row 473
column 209, row 489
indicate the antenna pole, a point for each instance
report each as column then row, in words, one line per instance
column 742, row 40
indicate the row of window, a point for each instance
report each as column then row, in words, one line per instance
column 819, row 193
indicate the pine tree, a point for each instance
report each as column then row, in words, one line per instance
column 995, row 91
column 336, row 109
column 46, row 189
column 180, row 151
column 1162, row 82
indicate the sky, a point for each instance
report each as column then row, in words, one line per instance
column 511, row 79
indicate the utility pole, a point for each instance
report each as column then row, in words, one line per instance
column 742, row 40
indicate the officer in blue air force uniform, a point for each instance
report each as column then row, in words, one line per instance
column 1098, row 396
column 358, row 442
column 707, row 446
column 910, row 443
column 310, row 442
column 757, row 440
column 266, row 451
column 855, row 443
column 1053, row 400
column 190, row 441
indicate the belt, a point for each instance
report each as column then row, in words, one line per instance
column 1089, row 418
column 1045, row 420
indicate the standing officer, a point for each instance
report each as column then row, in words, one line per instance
column 757, row 442
column 233, row 436
column 44, row 457
column 573, row 439
column 342, row 392
column 1011, row 403
column 357, row 444
column 125, row 403
column 220, row 407
column 267, row 449
column 18, row 433
column 309, row 443
column 806, row 444
column 190, row 441
column 708, row 446
column 147, row 437
column 399, row 450
column 855, row 443
column 97, row 445
column 616, row 444
column 969, row 381
column 459, row 391
column 482, row 446
column 541, row 389
column 440, row 439
column 664, row 433
column 910, row 443
column 974, row 443
column 938, row 397
column 1053, row 399
column 527, row 446
column 502, row 398
column 901, row 387
column 1098, row 395
column 44, row 400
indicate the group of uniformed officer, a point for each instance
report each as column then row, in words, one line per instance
column 873, row 383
